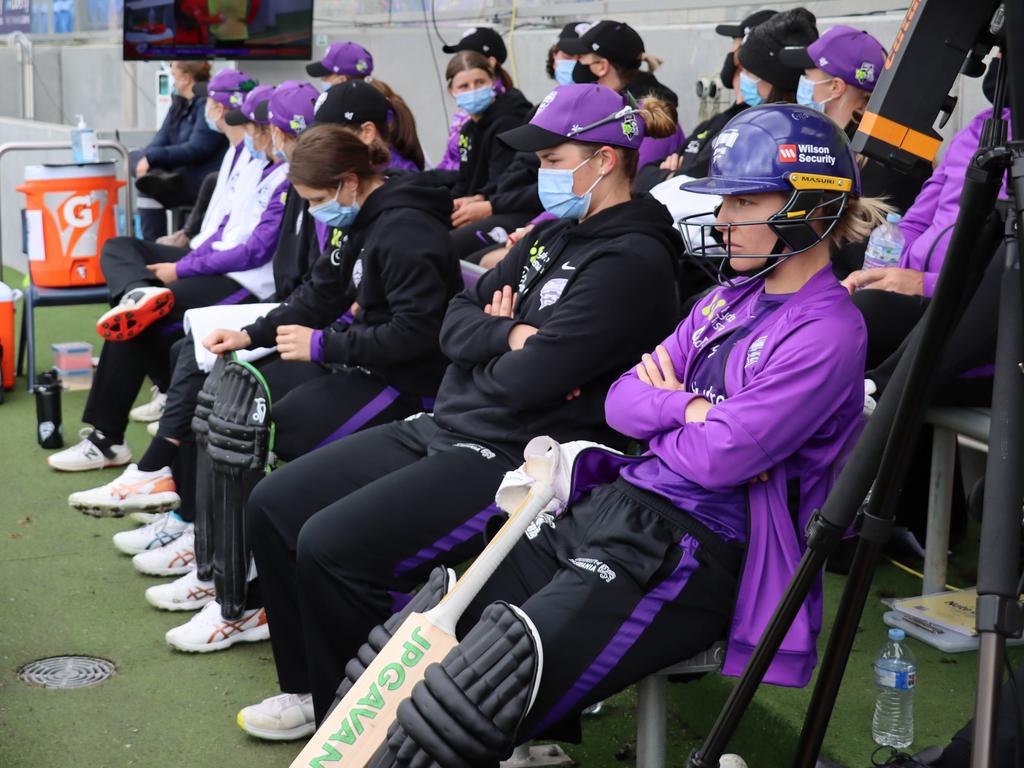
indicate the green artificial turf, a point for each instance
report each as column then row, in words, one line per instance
column 64, row 589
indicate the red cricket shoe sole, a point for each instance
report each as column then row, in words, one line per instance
column 121, row 323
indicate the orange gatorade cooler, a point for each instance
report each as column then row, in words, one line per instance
column 7, row 298
column 69, row 215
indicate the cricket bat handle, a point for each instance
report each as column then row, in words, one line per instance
column 448, row 612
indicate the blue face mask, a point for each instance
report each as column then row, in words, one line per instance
column 476, row 102
column 257, row 154
column 211, row 123
column 554, row 187
column 334, row 214
column 805, row 93
column 563, row 71
column 748, row 89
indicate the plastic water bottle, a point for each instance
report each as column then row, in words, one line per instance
column 885, row 244
column 83, row 143
column 895, row 677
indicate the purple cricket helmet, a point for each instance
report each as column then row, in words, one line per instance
column 781, row 148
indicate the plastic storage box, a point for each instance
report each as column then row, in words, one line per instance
column 72, row 355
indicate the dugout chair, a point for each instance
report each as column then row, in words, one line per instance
column 36, row 296
column 951, row 426
column 652, row 708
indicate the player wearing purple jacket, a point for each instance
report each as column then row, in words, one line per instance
column 748, row 409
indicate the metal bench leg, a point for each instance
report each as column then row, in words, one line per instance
column 651, row 727
column 22, row 338
column 30, row 319
column 940, row 505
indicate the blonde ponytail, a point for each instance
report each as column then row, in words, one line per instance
column 860, row 216
column 659, row 116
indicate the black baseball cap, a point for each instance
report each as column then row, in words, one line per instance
column 482, row 40
column 613, row 40
column 571, row 31
column 354, row 101
column 741, row 29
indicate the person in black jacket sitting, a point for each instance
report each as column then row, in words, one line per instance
column 534, row 347
column 186, row 149
column 482, row 158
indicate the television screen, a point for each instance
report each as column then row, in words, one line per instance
column 224, row 29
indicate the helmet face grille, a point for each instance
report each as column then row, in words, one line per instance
column 792, row 225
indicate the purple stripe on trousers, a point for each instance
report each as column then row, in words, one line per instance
column 472, row 527
column 643, row 615
column 235, row 298
column 358, row 419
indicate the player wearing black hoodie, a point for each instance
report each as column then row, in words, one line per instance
column 367, row 320
column 482, row 158
column 338, row 531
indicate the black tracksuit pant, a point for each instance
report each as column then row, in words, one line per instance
column 311, row 406
column 124, row 259
column 339, row 533
column 620, row 586
column 124, row 365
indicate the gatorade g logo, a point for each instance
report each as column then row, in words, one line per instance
column 260, row 411
column 788, row 153
column 391, row 679
column 78, row 211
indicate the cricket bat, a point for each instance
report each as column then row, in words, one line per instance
column 357, row 727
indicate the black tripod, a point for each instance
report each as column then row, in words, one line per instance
column 880, row 460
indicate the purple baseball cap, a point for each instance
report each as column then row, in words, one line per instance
column 246, row 113
column 346, row 58
column 228, row 87
column 591, row 113
column 290, row 107
column 852, row 55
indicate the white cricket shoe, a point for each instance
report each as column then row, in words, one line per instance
column 86, row 455
column 153, row 536
column 145, row 517
column 209, row 631
column 151, row 411
column 152, row 428
column 133, row 491
column 173, row 559
column 187, row 593
column 280, row 718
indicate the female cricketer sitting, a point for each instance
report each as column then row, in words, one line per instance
column 534, row 347
column 748, row 409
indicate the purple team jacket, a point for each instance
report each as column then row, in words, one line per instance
column 928, row 223
column 794, row 409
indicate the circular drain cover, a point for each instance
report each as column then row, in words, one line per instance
column 66, row 671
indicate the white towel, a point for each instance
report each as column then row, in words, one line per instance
column 202, row 321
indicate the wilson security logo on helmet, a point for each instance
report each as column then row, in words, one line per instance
column 783, row 148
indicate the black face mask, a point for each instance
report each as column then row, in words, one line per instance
column 988, row 83
column 582, row 73
column 728, row 70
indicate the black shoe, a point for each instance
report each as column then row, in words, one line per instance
column 166, row 187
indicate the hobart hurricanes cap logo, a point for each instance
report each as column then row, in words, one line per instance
column 788, row 153
column 865, row 73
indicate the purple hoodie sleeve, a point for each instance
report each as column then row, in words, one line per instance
column 451, row 161
column 656, row 150
column 640, row 411
column 777, row 411
column 316, row 347
column 919, row 216
column 256, row 251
